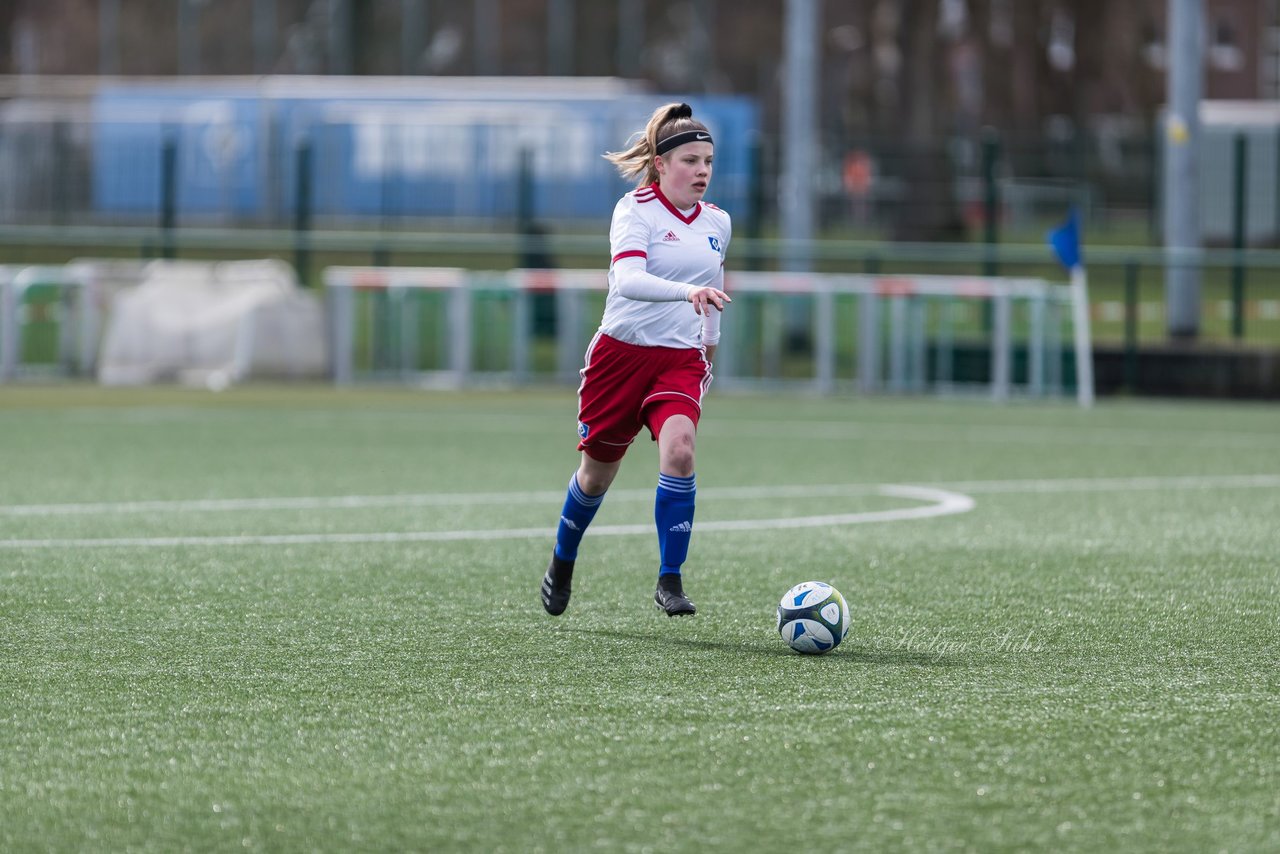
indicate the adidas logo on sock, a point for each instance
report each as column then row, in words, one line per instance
column 671, row 238
column 569, row 523
column 683, row 528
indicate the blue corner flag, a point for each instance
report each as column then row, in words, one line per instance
column 1065, row 240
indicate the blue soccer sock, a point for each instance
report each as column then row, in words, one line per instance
column 579, row 510
column 673, row 515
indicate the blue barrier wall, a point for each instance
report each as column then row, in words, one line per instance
column 219, row 141
column 436, row 153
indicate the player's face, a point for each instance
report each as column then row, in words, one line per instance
column 684, row 173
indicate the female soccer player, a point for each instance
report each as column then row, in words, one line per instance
column 650, row 362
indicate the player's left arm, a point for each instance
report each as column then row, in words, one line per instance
column 711, row 319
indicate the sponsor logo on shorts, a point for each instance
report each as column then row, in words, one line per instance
column 583, row 431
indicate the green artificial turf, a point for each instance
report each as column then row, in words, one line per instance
column 1084, row 661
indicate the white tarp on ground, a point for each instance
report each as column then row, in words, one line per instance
column 213, row 324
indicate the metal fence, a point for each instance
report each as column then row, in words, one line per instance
column 900, row 334
column 1240, row 290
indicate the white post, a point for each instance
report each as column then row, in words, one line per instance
column 917, row 322
column 797, row 188
column 460, row 332
column 522, row 320
column 1083, row 342
column 91, row 297
column 944, row 355
column 569, row 345
column 403, row 301
column 1185, row 82
column 1035, row 345
column 824, row 352
column 8, row 325
column 1001, row 346
column 1053, row 345
column 869, row 342
column 802, row 56
column 897, row 343
column 338, row 294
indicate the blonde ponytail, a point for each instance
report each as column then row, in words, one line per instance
column 636, row 163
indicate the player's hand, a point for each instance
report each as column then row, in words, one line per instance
column 702, row 298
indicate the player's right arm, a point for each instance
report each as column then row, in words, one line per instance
column 636, row 282
column 629, row 238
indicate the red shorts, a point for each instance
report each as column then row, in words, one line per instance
column 626, row 387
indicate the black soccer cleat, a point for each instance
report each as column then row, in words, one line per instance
column 555, row 585
column 670, row 597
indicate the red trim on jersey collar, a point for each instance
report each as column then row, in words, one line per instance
column 697, row 208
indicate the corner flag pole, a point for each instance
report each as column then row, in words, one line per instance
column 1065, row 241
column 1083, row 339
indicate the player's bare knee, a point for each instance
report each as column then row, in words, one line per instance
column 594, row 477
column 677, row 457
column 588, row 485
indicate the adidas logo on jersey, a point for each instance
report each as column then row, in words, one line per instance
column 671, row 238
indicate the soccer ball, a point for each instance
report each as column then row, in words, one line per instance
column 813, row 618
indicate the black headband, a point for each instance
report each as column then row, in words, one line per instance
column 683, row 137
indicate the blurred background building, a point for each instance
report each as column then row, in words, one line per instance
column 881, row 137
column 925, row 107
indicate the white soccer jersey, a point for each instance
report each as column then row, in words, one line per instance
column 688, row 250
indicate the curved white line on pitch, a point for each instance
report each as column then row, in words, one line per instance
column 471, row 499
column 944, row 503
column 940, row 503
column 431, row 499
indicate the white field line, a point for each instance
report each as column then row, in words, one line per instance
column 436, row 499
column 818, row 430
column 1000, row 434
column 1119, row 484
column 336, row 502
column 470, row 499
column 940, row 503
